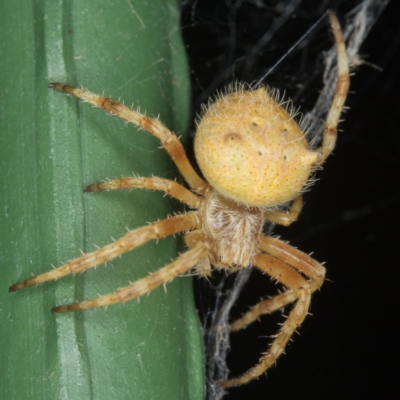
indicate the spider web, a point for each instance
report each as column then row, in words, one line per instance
column 356, row 24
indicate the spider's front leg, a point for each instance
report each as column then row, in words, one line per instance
column 296, row 259
column 284, row 263
column 131, row 240
column 181, row 265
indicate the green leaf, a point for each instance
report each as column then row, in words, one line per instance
column 51, row 147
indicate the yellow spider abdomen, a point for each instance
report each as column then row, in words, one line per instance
column 250, row 149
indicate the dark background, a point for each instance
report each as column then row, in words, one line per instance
column 348, row 348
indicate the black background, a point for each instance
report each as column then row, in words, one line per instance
column 348, row 348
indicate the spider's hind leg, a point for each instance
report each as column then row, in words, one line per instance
column 168, row 139
column 286, row 218
column 342, row 88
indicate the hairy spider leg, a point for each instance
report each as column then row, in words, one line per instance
column 342, row 87
column 296, row 259
column 133, row 239
column 181, row 265
column 168, row 139
column 294, row 281
column 285, row 218
column 171, row 188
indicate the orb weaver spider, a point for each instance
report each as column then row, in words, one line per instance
column 255, row 159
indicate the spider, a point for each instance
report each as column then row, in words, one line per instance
column 255, row 159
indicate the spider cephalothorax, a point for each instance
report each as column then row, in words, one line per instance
column 255, row 158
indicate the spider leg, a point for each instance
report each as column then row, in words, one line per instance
column 131, row 240
column 181, row 265
column 285, row 218
column 168, row 139
column 171, row 188
column 342, row 88
column 294, row 281
column 267, row 306
column 203, row 267
column 296, row 259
